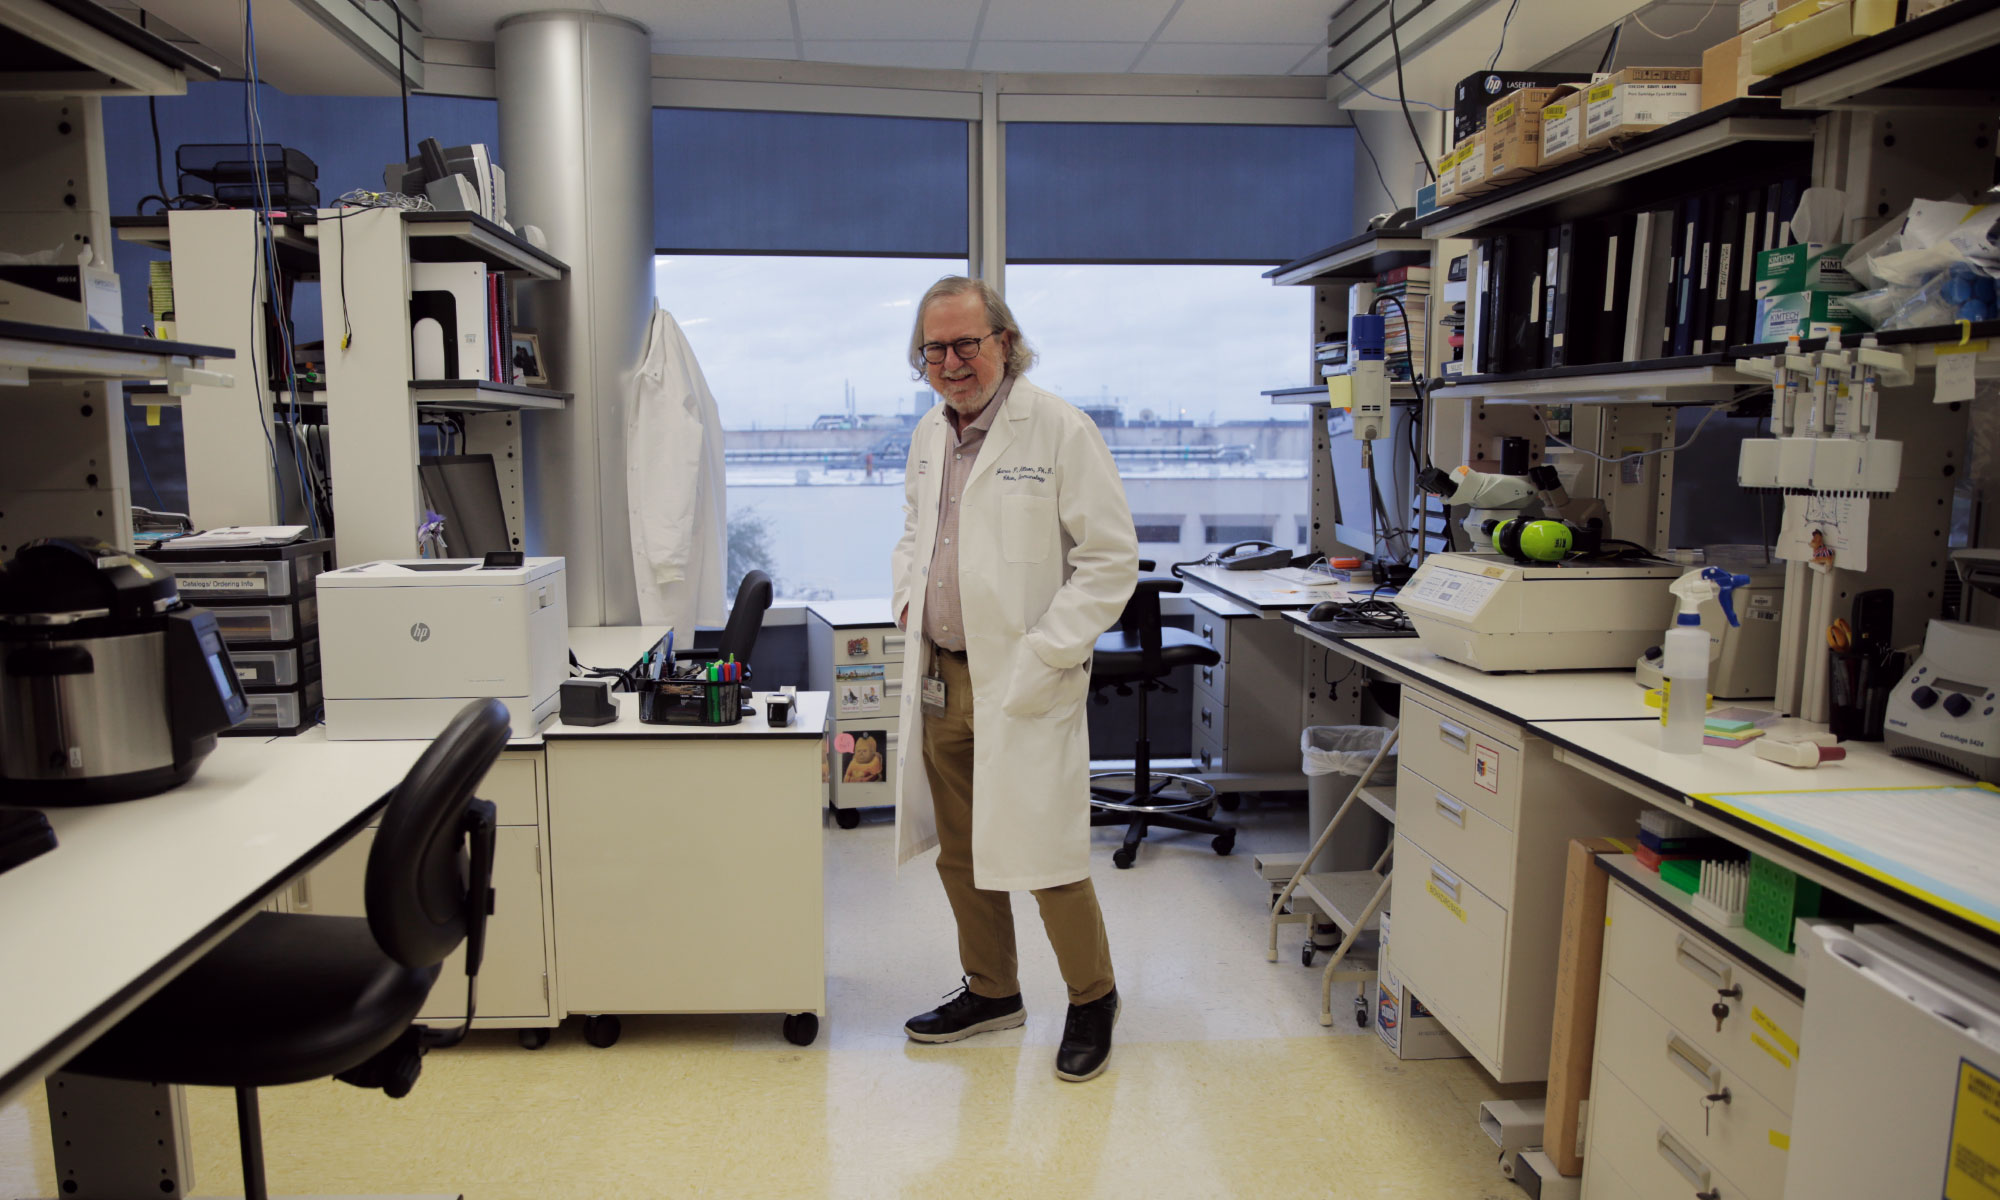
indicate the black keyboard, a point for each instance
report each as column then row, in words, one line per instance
column 24, row 834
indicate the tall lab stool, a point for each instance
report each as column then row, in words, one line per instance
column 291, row 997
column 1136, row 657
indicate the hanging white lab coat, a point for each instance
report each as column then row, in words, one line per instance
column 674, row 487
column 1047, row 559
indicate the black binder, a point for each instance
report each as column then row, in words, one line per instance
column 1727, row 242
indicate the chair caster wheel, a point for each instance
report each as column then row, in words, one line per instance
column 1306, row 954
column 1224, row 842
column 533, row 1039
column 1361, row 1012
column 802, row 1028
column 847, row 818
column 602, row 1032
column 1122, row 858
column 1229, row 803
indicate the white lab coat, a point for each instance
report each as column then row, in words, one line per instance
column 674, row 487
column 1047, row 559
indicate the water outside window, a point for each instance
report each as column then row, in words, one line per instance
column 805, row 356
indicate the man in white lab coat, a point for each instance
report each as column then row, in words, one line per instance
column 1017, row 551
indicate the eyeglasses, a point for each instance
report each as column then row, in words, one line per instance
column 967, row 349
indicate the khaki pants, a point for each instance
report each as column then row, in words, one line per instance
column 986, row 918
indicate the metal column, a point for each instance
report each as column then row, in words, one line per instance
column 576, row 136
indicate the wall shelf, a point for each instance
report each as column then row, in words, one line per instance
column 1356, row 260
column 1947, row 58
column 1695, row 379
column 47, row 353
column 298, row 256
column 77, row 47
column 1399, row 393
column 469, row 237
column 1741, row 135
column 477, row 395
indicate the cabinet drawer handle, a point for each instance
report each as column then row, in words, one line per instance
column 1208, row 633
column 1446, row 882
column 1682, row 1159
column 1205, row 763
column 1453, row 811
column 1694, row 1063
column 1207, row 718
column 1208, row 675
column 1454, row 736
column 892, row 647
column 1702, row 966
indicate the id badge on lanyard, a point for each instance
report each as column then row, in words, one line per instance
column 932, row 694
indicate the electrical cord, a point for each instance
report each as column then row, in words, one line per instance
column 1610, row 54
column 1669, row 37
column 1365, row 90
column 1403, row 93
column 1501, row 44
column 1374, row 162
column 1557, row 439
column 140, row 454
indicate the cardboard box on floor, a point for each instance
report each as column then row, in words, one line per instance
column 1405, row 1026
column 1579, row 963
column 1638, row 100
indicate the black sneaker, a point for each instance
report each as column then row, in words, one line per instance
column 966, row 1014
column 1086, row 1042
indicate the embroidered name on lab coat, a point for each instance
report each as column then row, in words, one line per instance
column 1025, row 474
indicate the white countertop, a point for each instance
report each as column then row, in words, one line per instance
column 1610, row 696
column 1265, row 594
column 853, row 614
column 134, row 891
column 615, row 646
column 808, row 721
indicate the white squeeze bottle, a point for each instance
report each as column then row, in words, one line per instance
column 1684, row 657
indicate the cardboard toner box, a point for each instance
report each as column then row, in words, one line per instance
column 1562, row 127
column 1639, row 100
column 1514, row 135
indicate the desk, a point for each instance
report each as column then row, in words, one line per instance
column 136, row 891
column 1628, row 756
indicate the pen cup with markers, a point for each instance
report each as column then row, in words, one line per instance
column 699, row 694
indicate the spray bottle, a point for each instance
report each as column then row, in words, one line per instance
column 1684, row 656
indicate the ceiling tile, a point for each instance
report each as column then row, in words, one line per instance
column 1091, row 57
column 1297, row 21
column 473, row 20
column 727, row 47
column 684, row 20
column 1067, row 20
column 900, row 20
column 938, row 55
column 1217, row 58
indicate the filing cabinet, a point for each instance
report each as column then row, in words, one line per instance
column 515, row 988
column 1694, row 1065
column 855, row 652
column 1483, row 823
column 1246, row 714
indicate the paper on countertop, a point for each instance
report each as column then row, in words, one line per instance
column 1304, row 575
column 1931, row 842
column 240, row 535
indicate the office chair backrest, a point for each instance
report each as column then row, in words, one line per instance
column 417, row 870
column 746, row 617
column 1141, row 618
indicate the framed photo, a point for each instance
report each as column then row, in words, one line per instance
column 526, row 359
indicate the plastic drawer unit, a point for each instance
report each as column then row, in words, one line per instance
column 856, row 653
column 245, row 572
column 1694, row 1065
column 265, row 667
column 265, row 622
column 1484, row 819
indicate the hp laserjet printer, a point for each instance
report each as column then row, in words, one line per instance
column 404, row 644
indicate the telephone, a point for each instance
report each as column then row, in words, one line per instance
column 1254, row 556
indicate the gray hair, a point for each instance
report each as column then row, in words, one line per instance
column 1020, row 355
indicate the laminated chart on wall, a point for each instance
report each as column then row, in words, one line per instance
column 1931, row 843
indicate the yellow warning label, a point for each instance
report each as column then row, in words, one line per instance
column 1969, row 347
column 1765, row 1023
column 1974, row 1170
column 152, row 414
column 1771, row 1050
column 1781, row 1139
column 1443, row 897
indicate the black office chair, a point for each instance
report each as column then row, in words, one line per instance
column 1135, row 657
column 291, row 997
column 746, row 620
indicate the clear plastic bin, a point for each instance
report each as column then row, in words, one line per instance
column 199, row 582
column 280, row 712
column 275, row 668
column 265, row 622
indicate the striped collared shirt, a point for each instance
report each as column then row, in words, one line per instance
column 944, row 617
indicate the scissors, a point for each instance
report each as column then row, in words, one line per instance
column 1840, row 636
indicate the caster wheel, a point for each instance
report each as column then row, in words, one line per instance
column 1122, row 858
column 1361, row 1015
column 602, row 1032
column 1224, row 842
column 1306, row 954
column 1228, row 803
column 847, row 818
column 534, row 1039
column 801, row 1028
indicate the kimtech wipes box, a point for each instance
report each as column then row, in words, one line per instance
column 1805, row 267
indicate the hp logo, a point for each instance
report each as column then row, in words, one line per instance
column 420, row 632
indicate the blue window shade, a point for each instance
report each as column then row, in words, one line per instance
column 1176, row 193
column 807, row 183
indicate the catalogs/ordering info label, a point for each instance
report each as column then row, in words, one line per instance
column 1974, row 1170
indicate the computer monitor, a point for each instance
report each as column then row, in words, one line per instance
column 1395, row 475
column 464, row 489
